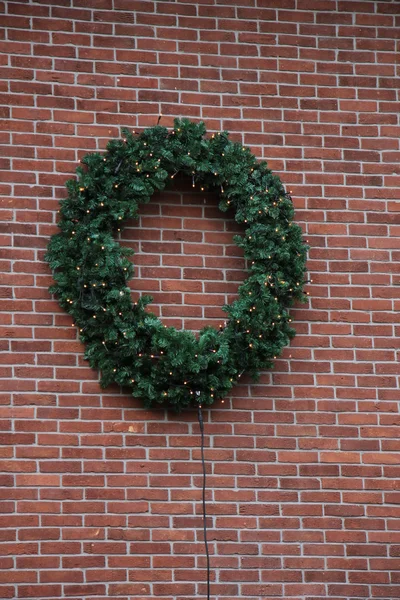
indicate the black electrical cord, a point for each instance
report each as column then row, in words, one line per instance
column 201, row 424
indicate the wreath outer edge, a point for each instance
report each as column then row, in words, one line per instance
column 129, row 345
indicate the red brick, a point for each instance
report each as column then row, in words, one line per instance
column 313, row 90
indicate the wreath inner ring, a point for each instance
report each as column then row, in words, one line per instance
column 131, row 346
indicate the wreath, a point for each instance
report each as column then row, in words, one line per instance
column 126, row 342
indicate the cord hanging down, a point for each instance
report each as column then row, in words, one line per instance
column 201, row 424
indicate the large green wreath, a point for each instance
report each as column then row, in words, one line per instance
column 128, row 344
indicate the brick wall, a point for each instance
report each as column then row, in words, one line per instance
column 102, row 499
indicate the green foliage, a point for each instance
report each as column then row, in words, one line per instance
column 133, row 348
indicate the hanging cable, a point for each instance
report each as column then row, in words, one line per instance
column 201, row 424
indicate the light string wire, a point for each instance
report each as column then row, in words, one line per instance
column 201, row 424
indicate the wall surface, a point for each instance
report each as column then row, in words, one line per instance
column 102, row 499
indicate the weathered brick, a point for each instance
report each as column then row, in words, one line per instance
column 304, row 463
